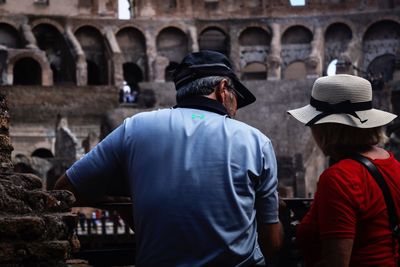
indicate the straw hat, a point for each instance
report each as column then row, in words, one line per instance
column 343, row 99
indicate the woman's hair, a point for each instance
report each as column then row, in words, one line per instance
column 338, row 140
column 202, row 86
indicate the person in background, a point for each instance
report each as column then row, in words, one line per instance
column 348, row 223
column 203, row 185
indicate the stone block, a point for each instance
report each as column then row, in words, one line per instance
column 22, row 228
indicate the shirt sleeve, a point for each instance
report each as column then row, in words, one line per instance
column 266, row 189
column 99, row 172
column 337, row 204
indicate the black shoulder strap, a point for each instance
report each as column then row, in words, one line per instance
column 373, row 170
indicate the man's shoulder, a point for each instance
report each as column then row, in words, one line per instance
column 248, row 129
column 150, row 113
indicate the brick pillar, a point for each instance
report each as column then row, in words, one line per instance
column 151, row 52
column 193, row 37
column 80, row 58
column 274, row 58
column 116, row 57
column 28, row 36
column 234, row 53
column 314, row 60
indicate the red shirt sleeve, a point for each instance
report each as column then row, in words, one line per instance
column 339, row 198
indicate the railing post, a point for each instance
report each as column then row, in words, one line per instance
column 126, row 228
column 89, row 226
column 103, row 224
column 115, row 224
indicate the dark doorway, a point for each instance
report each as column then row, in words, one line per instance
column 132, row 74
column 27, row 71
column 60, row 57
column 93, row 73
column 42, row 153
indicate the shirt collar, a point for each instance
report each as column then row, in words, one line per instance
column 203, row 103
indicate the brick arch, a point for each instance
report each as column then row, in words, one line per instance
column 337, row 41
column 254, row 25
column 133, row 45
column 379, row 45
column 285, row 28
column 384, row 18
column 128, row 25
column 133, row 28
column 254, row 45
column 268, row 31
column 223, row 45
column 47, row 74
column 11, row 23
column 214, row 25
column 297, row 26
column 348, row 23
column 51, row 22
column 172, row 25
column 177, row 54
column 88, row 24
column 96, row 53
column 13, row 37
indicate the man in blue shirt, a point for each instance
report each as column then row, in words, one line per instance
column 203, row 185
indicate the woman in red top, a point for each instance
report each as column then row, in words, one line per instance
column 348, row 224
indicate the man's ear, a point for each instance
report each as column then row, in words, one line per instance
column 220, row 92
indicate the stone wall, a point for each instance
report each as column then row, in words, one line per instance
column 96, row 110
column 36, row 227
column 99, row 8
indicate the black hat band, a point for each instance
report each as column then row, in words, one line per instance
column 345, row 107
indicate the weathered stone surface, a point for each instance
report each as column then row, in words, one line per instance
column 22, row 227
column 48, row 253
column 33, row 229
column 22, row 180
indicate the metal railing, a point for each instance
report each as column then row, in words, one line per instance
column 109, row 241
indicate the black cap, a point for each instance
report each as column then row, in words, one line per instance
column 210, row 63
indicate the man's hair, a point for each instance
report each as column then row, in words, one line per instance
column 339, row 140
column 201, row 86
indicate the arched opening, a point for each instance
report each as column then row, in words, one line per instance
column 255, row 36
column 172, row 43
column 297, row 35
column 254, row 71
column 169, row 70
column 9, row 36
column 27, row 71
column 60, row 57
column 254, row 47
column 93, row 45
column 296, row 47
column 295, row 71
column 42, row 153
column 132, row 75
column 93, row 71
column 382, row 38
column 133, row 47
column 337, row 39
column 381, row 70
column 214, row 39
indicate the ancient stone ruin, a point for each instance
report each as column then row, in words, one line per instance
column 36, row 226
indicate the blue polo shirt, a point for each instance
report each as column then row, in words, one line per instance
column 198, row 180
